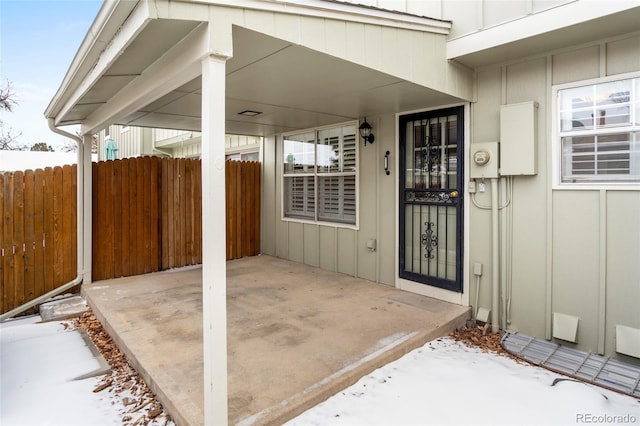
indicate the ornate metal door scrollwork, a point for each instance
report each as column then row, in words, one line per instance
column 429, row 240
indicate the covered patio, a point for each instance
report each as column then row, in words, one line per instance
column 259, row 68
column 296, row 334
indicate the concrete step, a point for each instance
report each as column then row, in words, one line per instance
column 63, row 309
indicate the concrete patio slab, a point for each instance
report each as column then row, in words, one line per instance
column 296, row 334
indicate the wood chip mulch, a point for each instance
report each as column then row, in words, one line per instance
column 140, row 404
column 479, row 337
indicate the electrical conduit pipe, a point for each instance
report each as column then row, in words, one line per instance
column 80, row 226
column 495, row 264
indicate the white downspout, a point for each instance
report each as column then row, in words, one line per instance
column 80, row 227
column 158, row 150
column 495, row 264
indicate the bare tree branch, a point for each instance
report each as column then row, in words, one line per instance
column 8, row 139
column 7, row 98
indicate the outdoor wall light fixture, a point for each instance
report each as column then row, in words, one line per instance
column 365, row 132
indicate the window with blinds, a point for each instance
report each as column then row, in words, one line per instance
column 600, row 132
column 319, row 175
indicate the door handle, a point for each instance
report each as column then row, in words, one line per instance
column 453, row 194
column 386, row 163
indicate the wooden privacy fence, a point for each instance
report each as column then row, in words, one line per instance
column 146, row 218
column 148, row 214
column 37, row 233
column 243, row 208
column 126, row 212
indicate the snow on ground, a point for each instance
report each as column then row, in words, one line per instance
column 39, row 363
column 446, row 382
column 443, row 382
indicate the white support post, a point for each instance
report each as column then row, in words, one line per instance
column 87, row 208
column 214, row 275
column 80, row 172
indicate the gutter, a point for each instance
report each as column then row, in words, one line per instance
column 79, row 232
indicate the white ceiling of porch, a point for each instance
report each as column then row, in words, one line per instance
column 292, row 86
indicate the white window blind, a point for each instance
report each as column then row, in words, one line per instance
column 600, row 132
column 299, row 193
column 337, row 199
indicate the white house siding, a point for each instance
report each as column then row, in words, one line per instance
column 468, row 16
column 128, row 141
column 131, row 141
column 572, row 251
column 162, row 134
column 188, row 151
column 242, row 143
column 137, row 141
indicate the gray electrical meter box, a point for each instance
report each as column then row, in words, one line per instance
column 519, row 139
column 484, row 161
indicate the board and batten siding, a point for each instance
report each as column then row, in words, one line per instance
column 330, row 247
column 572, row 251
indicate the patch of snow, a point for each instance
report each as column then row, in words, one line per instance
column 446, row 382
column 37, row 386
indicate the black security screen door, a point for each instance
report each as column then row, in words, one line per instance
column 431, row 189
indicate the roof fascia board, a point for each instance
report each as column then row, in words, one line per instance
column 529, row 26
column 137, row 21
column 179, row 65
column 104, row 27
column 339, row 11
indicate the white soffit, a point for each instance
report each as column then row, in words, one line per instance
column 566, row 25
column 292, row 86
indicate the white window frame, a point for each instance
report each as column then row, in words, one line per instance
column 556, row 147
column 317, row 175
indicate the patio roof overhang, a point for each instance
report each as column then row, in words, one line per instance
column 298, row 65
